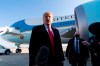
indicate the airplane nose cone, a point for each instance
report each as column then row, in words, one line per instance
column 94, row 28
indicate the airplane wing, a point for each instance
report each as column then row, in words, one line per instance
column 9, row 30
column 69, row 33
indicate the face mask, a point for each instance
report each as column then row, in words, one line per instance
column 77, row 35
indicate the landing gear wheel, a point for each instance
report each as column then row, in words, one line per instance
column 18, row 50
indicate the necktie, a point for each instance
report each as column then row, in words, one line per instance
column 77, row 45
column 51, row 38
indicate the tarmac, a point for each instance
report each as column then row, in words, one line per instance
column 22, row 59
column 15, row 59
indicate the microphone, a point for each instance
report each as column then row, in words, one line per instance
column 42, row 56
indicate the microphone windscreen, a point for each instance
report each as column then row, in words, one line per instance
column 42, row 55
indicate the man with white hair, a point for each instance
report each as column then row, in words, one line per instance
column 47, row 37
column 77, row 52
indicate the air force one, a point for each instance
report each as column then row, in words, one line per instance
column 20, row 31
column 86, row 14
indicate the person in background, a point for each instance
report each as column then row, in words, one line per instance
column 77, row 51
column 46, row 35
column 94, row 41
column 95, row 50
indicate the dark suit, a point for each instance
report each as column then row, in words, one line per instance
column 39, row 38
column 77, row 58
column 92, row 50
column 95, row 51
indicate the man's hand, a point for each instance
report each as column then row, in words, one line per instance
column 85, row 43
column 98, row 42
column 95, row 54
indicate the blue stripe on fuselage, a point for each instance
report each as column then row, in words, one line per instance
column 64, row 23
column 22, row 26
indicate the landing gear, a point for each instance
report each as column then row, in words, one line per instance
column 18, row 50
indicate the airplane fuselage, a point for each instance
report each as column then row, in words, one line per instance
column 20, row 31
